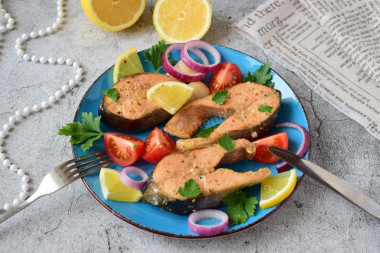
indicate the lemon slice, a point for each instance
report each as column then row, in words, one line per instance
column 114, row 189
column 113, row 15
column 277, row 188
column 182, row 20
column 170, row 95
column 128, row 63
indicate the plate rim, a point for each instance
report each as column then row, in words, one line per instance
column 226, row 233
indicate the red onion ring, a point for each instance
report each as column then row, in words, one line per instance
column 205, row 67
column 208, row 230
column 135, row 184
column 305, row 144
column 180, row 75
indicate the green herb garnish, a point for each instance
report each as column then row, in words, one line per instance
column 111, row 93
column 155, row 54
column 220, row 96
column 190, row 190
column 85, row 132
column 239, row 207
column 260, row 75
column 226, row 142
column 205, row 133
column 265, row 108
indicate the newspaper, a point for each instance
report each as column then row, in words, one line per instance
column 334, row 47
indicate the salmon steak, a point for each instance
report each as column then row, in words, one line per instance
column 243, row 119
column 133, row 111
column 201, row 165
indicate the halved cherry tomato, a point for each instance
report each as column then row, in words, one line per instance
column 227, row 75
column 263, row 155
column 123, row 149
column 157, row 145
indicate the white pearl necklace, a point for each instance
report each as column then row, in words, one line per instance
column 5, row 17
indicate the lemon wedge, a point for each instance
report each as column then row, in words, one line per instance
column 114, row 189
column 182, row 20
column 277, row 188
column 128, row 63
column 113, row 15
column 170, row 95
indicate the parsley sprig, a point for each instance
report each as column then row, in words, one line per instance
column 261, row 75
column 155, row 54
column 265, row 108
column 190, row 189
column 240, row 207
column 205, row 133
column 111, row 93
column 220, row 96
column 85, row 132
column 226, row 142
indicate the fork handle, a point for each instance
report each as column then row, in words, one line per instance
column 18, row 208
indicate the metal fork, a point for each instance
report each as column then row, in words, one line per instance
column 61, row 176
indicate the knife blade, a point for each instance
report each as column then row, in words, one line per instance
column 329, row 180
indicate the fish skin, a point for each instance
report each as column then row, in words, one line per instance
column 243, row 120
column 172, row 171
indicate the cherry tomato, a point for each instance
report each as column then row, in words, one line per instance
column 263, row 155
column 157, row 145
column 123, row 149
column 227, row 75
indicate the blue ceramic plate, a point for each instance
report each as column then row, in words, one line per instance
column 153, row 219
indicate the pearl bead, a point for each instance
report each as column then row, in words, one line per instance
column 76, row 65
column 12, row 120
column 23, row 195
column 41, row 33
column 33, row 35
column 51, row 60
column 78, row 78
column 34, row 58
column 49, row 30
column 43, row 59
column 36, row 108
column 2, row 29
column 25, row 178
column 11, row 21
column 6, row 162
column 7, row 207
column 69, row 61
column 59, row 2
column 18, row 47
column 52, row 100
column 7, row 127
column 61, row 14
column 65, row 88
column 7, row 16
column 16, row 202
column 44, row 105
column 25, row 187
column 2, row 135
column 1, row 149
column 26, row 57
column 59, row 20
column 19, row 41
column 26, row 111
column 20, row 52
column 60, row 61
column 56, row 26
column 79, row 71
column 10, row 26
column 13, row 168
column 1, row 141
column 58, row 94
column 25, row 36
column 72, row 83
column 18, row 113
column 2, row 156
column 21, row 172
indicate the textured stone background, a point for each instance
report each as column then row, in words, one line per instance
column 71, row 220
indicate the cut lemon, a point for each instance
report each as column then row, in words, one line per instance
column 113, row 15
column 114, row 189
column 170, row 95
column 128, row 63
column 277, row 188
column 182, row 20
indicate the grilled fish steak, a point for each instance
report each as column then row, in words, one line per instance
column 133, row 111
column 243, row 119
column 172, row 171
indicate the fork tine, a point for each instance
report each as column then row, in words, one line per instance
column 82, row 174
column 81, row 158
column 84, row 162
column 80, row 169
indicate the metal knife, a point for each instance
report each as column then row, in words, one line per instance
column 329, row 180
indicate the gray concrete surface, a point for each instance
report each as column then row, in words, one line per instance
column 313, row 220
